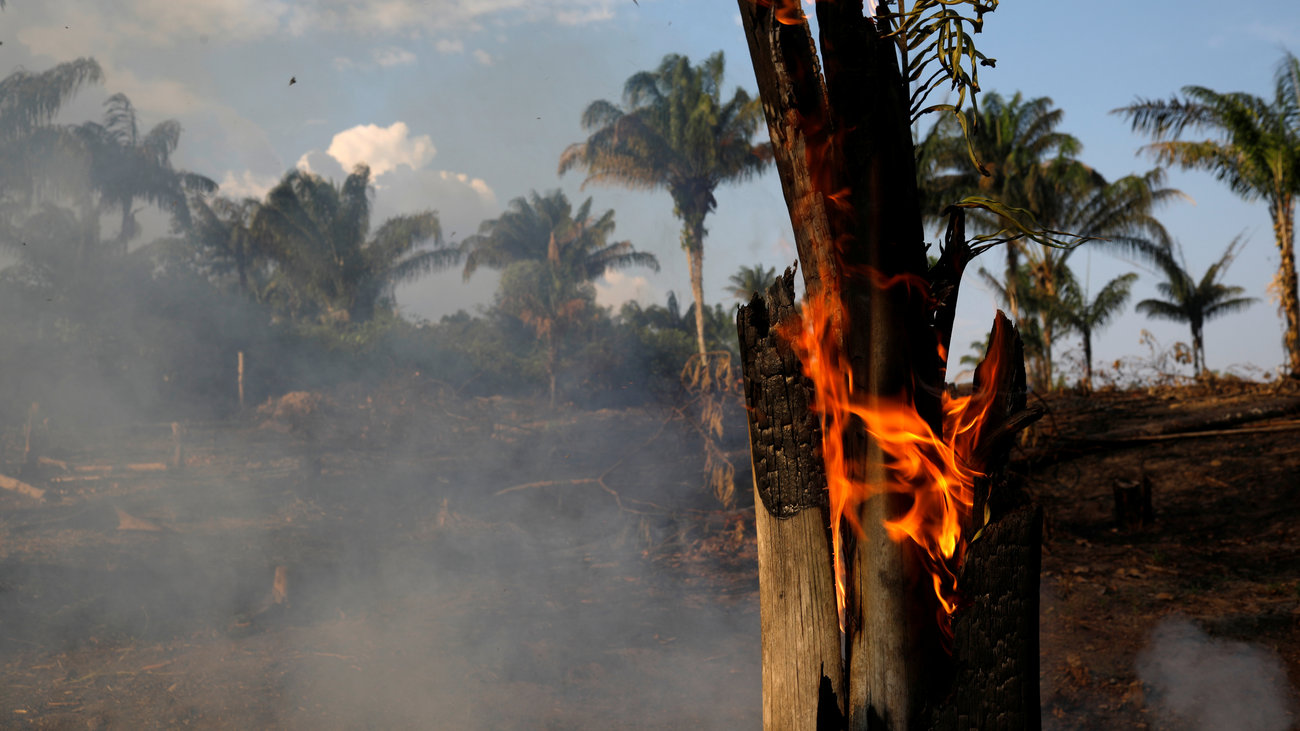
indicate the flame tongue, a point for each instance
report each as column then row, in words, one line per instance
column 932, row 469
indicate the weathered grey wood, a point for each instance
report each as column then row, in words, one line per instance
column 801, row 638
column 803, row 683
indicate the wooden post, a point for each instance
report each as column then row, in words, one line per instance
column 178, row 449
column 842, row 145
column 239, row 370
column 30, row 438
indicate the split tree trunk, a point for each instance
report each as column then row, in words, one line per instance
column 842, row 145
column 803, row 679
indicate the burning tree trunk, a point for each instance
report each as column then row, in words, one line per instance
column 856, row 378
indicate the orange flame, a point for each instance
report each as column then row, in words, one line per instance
column 933, row 469
column 787, row 12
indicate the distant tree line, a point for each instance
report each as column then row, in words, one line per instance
column 304, row 280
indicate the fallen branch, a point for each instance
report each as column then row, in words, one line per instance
column 1287, row 426
column 21, row 487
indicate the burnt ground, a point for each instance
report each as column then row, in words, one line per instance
column 489, row 564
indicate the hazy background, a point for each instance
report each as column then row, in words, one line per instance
column 462, row 105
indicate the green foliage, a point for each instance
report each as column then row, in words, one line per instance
column 1085, row 317
column 541, row 226
column 1195, row 302
column 750, row 280
column 126, row 166
column 674, row 132
column 935, row 45
column 1254, row 149
column 315, row 234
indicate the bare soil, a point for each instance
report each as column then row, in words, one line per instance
column 489, row 564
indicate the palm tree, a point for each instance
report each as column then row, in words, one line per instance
column 126, row 166
column 674, row 132
column 543, row 227
column 1254, row 148
column 223, row 226
column 316, row 234
column 1195, row 302
column 1116, row 215
column 748, row 280
column 1086, row 317
column 1016, row 142
column 29, row 101
column 550, row 254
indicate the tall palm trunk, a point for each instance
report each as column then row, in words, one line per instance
column 1013, row 268
column 552, row 361
column 1087, row 359
column 1198, row 350
column 693, row 242
column 1047, row 356
column 1284, row 229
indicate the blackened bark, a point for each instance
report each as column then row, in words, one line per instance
column 996, row 633
column 784, row 433
column 842, row 146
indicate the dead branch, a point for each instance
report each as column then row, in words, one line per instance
column 22, row 488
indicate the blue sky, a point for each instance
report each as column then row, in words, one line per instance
column 468, row 103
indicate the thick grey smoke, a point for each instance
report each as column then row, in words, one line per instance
column 1201, row 683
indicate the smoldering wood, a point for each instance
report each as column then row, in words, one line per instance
column 995, row 646
column 945, row 276
column 842, row 146
column 795, row 107
column 848, row 177
column 784, row 433
column 803, row 682
column 995, row 631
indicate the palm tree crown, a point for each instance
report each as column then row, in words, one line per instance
column 674, row 132
column 748, row 280
column 1254, row 149
column 1086, row 317
column 1195, row 302
column 316, row 232
column 544, row 227
column 126, row 166
column 1013, row 139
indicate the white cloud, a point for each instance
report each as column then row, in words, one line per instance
column 246, row 184
column 450, row 46
column 382, row 148
column 478, row 185
column 615, row 288
column 482, row 57
column 393, row 56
